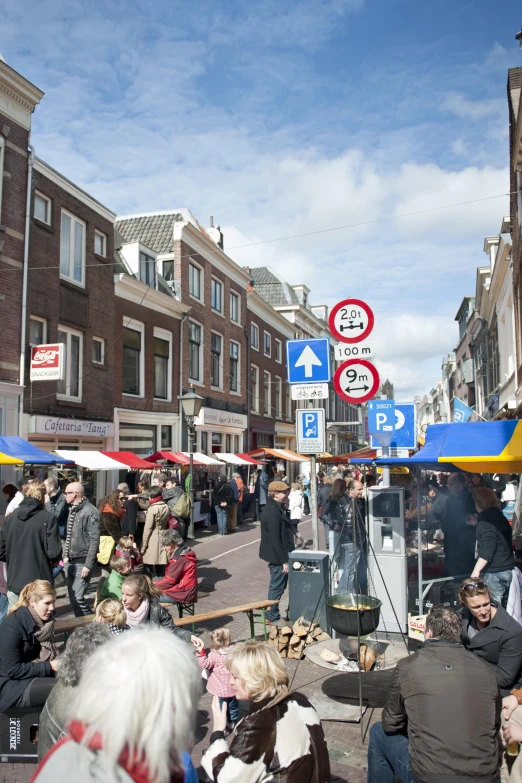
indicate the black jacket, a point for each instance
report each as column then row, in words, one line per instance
column 449, row 512
column 277, row 535
column 447, row 701
column 57, row 506
column 29, row 543
column 159, row 616
column 85, row 538
column 494, row 540
column 222, row 493
column 500, row 644
column 129, row 521
column 18, row 652
column 323, row 490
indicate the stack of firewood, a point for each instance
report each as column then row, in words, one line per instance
column 291, row 640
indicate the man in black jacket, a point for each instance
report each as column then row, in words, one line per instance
column 56, row 504
column 442, row 716
column 277, row 541
column 82, row 542
column 29, row 542
column 449, row 512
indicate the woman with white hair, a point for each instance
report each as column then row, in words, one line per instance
column 133, row 715
column 280, row 739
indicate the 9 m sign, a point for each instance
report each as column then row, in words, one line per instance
column 47, row 362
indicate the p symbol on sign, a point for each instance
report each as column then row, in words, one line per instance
column 380, row 419
column 310, row 422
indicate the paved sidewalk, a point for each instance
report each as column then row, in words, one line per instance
column 229, row 570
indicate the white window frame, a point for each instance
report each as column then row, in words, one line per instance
column 238, row 300
column 2, row 160
column 220, row 283
column 44, row 330
column 279, row 386
column 102, row 341
column 219, row 387
column 74, row 220
column 103, row 238
column 67, row 379
column 164, row 334
column 48, row 207
column 253, row 327
column 201, row 297
column 269, row 401
column 137, row 326
column 279, row 350
column 235, row 342
column 254, row 401
column 268, row 353
column 201, row 382
column 151, row 262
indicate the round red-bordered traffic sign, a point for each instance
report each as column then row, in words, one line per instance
column 351, row 320
column 360, row 387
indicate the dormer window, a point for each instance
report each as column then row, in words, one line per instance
column 147, row 270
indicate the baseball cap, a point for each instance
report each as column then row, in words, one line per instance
column 278, row 486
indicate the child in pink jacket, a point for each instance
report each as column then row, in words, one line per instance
column 218, row 683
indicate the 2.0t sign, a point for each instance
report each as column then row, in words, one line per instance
column 356, row 381
column 351, row 320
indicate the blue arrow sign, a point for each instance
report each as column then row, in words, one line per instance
column 308, row 361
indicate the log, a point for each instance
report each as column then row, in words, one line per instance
column 297, row 624
column 283, row 653
column 286, row 630
column 317, row 632
column 282, row 645
column 293, row 654
column 273, row 632
column 295, row 639
column 323, row 637
column 367, row 658
column 302, row 631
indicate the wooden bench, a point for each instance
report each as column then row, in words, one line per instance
column 71, row 624
column 256, row 612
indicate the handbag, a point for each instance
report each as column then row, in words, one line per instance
column 107, row 546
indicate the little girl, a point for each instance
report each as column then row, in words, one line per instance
column 126, row 548
column 295, row 506
column 219, row 679
column 111, row 612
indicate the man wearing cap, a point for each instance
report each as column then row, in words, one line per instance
column 277, row 541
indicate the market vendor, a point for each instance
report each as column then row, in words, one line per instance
column 449, row 513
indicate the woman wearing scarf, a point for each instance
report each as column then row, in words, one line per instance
column 112, row 512
column 157, row 520
column 27, row 651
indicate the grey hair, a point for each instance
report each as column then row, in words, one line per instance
column 153, row 718
column 170, row 537
column 123, row 487
column 52, row 481
column 222, row 477
column 236, row 475
column 81, row 645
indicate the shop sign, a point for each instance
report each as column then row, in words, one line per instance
column 47, row 362
column 53, row 425
column 217, row 418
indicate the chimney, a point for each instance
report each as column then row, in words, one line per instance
column 215, row 233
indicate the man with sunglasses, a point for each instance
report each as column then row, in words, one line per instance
column 81, row 546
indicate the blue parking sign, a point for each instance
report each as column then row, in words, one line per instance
column 405, row 435
column 381, row 420
column 310, row 426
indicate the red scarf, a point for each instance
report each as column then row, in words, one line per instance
column 110, row 510
column 159, row 499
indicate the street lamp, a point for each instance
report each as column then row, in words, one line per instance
column 191, row 403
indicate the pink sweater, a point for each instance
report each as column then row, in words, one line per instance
column 219, row 680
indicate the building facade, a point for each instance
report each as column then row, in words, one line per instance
column 514, row 95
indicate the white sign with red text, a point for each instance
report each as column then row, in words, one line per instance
column 47, row 362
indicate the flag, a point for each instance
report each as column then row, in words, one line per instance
column 461, row 411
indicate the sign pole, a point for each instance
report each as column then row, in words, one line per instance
column 313, row 501
column 386, row 469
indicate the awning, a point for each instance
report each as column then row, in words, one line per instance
column 238, row 459
column 202, row 459
column 283, row 454
column 24, row 452
column 351, row 456
column 5, row 459
column 92, row 460
column 128, row 458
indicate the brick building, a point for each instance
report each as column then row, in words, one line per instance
column 70, row 300
column 514, row 94
column 18, row 99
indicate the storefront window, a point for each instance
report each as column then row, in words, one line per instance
column 236, row 444
column 140, row 438
column 204, row 442
column 228, row 443
column 166, row 436
column 217, row 442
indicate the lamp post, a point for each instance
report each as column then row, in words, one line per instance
column 191, row 403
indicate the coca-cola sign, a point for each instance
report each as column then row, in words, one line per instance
column 47, row 362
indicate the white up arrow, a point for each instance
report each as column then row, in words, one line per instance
column 307, row 360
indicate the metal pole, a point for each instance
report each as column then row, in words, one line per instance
column 419, row 540
column 190, row 426
column 313, row 499
column 386, row 470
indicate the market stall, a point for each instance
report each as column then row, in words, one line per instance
column 93, row 466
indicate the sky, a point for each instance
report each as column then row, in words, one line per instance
column 288, row 117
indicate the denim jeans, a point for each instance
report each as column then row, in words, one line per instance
column 4, row 605
column 276, row 588
column 232, row 707
column 347, row 582
column 388, row 756
column 499, row 583
column 221, row 516
column 77, row 587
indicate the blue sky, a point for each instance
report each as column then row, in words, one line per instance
column 281, row 117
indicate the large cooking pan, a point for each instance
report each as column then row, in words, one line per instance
column 344, row 620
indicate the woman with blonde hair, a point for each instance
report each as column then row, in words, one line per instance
column 112, row 614
column 27, row 652
column 280, row 739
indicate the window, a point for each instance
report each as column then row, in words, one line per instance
column 2, row 155
column 98, row 350
column 147, row 270
column 254, row 389
column 100, row 244
column 234, row 367
column 166, row 436
column 71, row 386
column 132, row 351
column 194, row 357
column 305, row 299
column 228, row 443
column 72, row 249
column 37, row 330
column 195, row 281
column 168, row 270
column 266, row 393
column 279, row 351
column 204, row 442
column 278, row 396
column 216, row 295
column 267, row 344
column 236, row 444
column 161, row 368
column 216, row 343
column 288, row 402
column 254, row 336
column 217, row 440
column 234, row 307
column 42, row 208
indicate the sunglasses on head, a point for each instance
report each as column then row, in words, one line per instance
column 471, row 586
